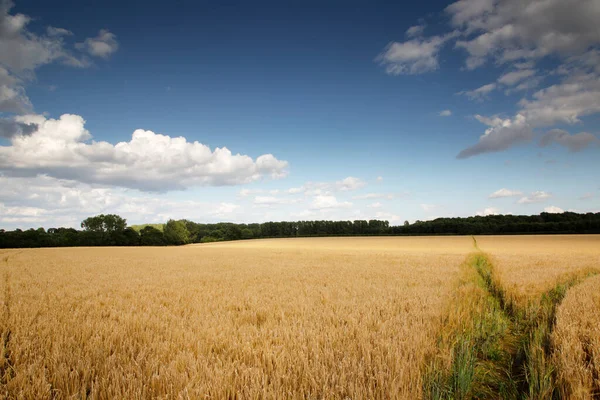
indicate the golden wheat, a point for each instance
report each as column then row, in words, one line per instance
column 283, row 318
column 576, row 340
column 309, row 318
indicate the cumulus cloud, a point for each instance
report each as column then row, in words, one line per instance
column 535, row 197
column 445, row 113
column 554, row 210
column 328, row 201
column 488, row 211
column 61, row 148
column 574, row 143
column 505, row 193
column 10, row 128
column 102, row 45
column 50, row 202
column 375, row 205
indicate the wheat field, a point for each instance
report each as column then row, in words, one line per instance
column 315, row 318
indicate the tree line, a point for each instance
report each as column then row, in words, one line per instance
column 112, row 230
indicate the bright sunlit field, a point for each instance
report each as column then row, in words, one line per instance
column 312, row 318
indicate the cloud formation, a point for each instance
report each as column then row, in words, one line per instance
column 22, row 52
column 149, row 161
column 328, row 201
column 488, row 211
column 574, row 143
column 535, row 197
column 501, row 135
column 415, row 56
column 517, row 35
column 50, row 202
column 480, row 93
column 554, row 210
column 10, row 128
column 445, row 113
column 102, row 45
column 505, row 193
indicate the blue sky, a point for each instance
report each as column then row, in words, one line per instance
column 344, row 110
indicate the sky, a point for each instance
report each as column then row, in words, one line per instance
column 269, row 111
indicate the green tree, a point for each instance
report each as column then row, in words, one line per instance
column 104, row 223
column 150, row 236
column 176, row 232
column 233, row 232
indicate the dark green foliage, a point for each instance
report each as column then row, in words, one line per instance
column 567, row 222
column 176, row 232
column 112, row 230
column 150, row 236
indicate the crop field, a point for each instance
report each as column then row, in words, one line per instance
column 315, row 318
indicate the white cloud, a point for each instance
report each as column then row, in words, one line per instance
column 501, row 135
column 295, row 190
column 53, row 31
column 324, row 201
column 316, row 188
column 225, row 209
column 445, row 113
column 416, row 30
column 103, row 45
column 488, row 211
column 272, row 200
column 519, row 34
column 149, row 161
column 535, row 197
column 375, row 205
column 379, row 179
column 50, row 202
column 524, row 29
column 248, row 192
column 369, row 196
column 480, row 93
column 514, row 77
column 505, row 193
column 22, row 52
column 386, row 216
column 587, row 196
column 350, row 183
column 574, row 143
column 554, row 210
column 414, row 56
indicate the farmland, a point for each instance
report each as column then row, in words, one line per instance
column 376, row 317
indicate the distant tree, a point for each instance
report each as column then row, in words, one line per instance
column 233, row 232
column 247, row 233
column 176, row 232
column 150, row 236
column 104, row 223
column 406, row 223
